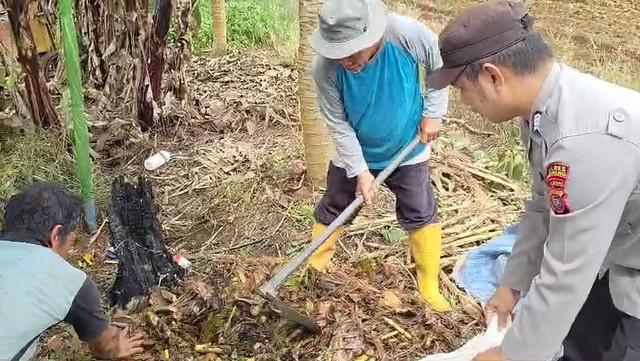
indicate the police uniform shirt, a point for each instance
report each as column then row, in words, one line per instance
column 583, row 140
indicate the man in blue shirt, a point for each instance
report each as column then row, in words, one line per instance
column 370, row 77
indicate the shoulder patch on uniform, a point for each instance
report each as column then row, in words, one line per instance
column 557, row 175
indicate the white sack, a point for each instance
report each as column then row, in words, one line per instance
column 490, row 338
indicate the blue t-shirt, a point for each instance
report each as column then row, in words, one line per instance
column 373, row 114
column 383, row 103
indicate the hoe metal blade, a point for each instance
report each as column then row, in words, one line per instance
column 292, row 314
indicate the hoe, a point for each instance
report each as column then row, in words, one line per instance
column 269, row 291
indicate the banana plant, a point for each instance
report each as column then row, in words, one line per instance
column 76, row 109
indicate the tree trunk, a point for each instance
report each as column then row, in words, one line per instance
column 177, row 81
column 118, row 34
column 144, row 261
column 152, row 66
column 41, row 106
column 97, row 31
column 148, row 110
column 133, row 18
column 90, row 27
column 220, row 25
column 161, row 20
column 16, row 91
column 317, row 142
column 50, row 13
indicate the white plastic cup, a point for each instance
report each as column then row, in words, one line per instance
column 157, row 160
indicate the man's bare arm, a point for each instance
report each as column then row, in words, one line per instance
column 90, row 323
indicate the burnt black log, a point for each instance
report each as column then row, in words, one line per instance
column 136, row 234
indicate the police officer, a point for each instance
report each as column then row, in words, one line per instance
column 577, row 255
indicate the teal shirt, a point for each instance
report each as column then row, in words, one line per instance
column 383, row 103
column 373, row 114
column 39, row 289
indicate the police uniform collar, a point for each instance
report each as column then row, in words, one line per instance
column 544, row 95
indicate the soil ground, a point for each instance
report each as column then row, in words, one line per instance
column 236, row 202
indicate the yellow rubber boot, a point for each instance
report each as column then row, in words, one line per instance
column 426, row 245
column 322, row 256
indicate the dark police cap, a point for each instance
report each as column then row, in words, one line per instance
column 479, row 32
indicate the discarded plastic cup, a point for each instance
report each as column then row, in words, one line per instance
column 157, row 160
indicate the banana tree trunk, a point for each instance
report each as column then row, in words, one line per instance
column 220, row 25
column 132, row 21
column 317, row 142
column 161, row 20
column 180, row 54
column 136, row 235
column 41, row 106
column 90, row 28
column 152, row 66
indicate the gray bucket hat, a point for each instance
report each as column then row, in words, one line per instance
column 348, row 26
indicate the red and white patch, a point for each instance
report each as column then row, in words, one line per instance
column 557, row 176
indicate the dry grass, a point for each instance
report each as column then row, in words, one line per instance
column 35, row 156
column 235, row 200
column 240, row 189
column 244, row 193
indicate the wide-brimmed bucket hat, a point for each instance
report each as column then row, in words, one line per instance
column 347, row 26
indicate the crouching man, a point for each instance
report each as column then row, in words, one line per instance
column 370, row 75
column 39, row 289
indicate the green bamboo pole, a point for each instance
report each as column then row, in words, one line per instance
column 76, row 109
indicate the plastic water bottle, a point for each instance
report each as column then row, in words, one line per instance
column 157, row 160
